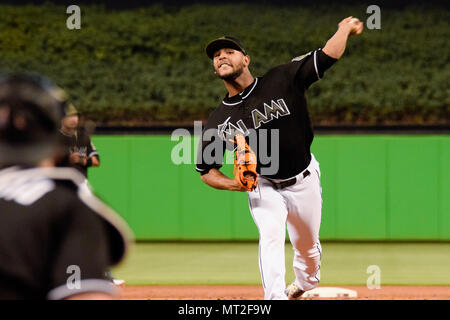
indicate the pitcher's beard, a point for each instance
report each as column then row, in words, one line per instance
column 232, row 76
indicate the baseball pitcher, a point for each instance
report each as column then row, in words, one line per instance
column 273, row 104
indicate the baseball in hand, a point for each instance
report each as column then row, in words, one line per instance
column 250, row 176
column 356, row 26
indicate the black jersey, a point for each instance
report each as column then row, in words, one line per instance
column 81, row 143
column 273, row 101
column 48, row 228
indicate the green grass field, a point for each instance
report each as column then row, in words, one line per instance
column 237, row 263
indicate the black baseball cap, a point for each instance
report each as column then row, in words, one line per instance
column 224, row 42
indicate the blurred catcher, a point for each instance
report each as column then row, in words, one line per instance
column 56, row 239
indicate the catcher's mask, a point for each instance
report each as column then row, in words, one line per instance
column 31, row 109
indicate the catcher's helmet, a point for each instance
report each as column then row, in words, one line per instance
column 31, row 109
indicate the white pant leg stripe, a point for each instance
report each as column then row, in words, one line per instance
column 320, row 253
column 315, row 276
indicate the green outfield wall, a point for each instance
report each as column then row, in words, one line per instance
column 375, row 187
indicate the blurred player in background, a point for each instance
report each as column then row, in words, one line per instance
column 56, row 239
column 80, row 152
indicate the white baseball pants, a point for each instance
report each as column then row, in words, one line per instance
column 299, row 206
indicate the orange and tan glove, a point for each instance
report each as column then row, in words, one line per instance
column 245, row 164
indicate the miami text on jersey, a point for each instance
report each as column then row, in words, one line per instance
column 227, row 130
column 275, row 110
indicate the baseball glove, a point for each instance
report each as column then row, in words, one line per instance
column 245, row 164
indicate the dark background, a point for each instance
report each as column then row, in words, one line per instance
column 141, row 64
column 129, row 4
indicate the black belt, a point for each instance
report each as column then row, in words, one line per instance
column 290, row 182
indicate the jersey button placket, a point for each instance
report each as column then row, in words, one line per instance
column 246, row 116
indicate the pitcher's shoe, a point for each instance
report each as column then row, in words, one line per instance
column 293, row 292
column 119, row 283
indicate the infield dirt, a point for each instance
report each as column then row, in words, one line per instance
column 230, row 292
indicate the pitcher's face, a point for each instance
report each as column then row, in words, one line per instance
column 229, row 63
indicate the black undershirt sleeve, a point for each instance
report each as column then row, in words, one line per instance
column 312, row 67
column 209, row 155
column 211, row 147
column 91, row 150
